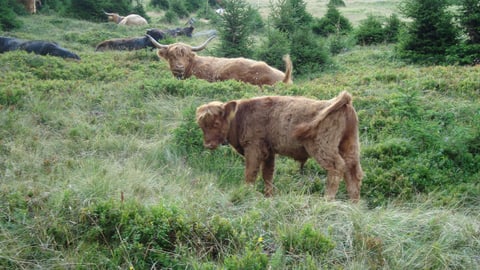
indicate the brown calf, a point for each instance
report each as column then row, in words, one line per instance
column 297, row 127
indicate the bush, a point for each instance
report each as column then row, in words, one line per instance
column 337, row 3
column 289, row 15
column 179, row 8
column 162, row 4
column 332, row 23
column 469, row 18
column 274, row 48
column 133, row 234
column 370, row 31
column 310, row 55
column 431, row 32
column 305, row 240
column 8, row 18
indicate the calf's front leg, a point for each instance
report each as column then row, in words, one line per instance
column 252, row 164
column 267, row 173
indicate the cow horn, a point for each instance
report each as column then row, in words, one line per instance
column 201, row 47
column 158, row 45
column 106, row 13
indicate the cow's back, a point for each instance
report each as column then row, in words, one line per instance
column 273, row 120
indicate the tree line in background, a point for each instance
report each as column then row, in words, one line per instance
column 435, row 32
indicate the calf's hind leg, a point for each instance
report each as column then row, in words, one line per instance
column 335, row 166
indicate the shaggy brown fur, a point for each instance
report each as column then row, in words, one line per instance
column 297, row 127
column 184, row 63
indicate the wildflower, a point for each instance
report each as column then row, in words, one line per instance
column 260, row 239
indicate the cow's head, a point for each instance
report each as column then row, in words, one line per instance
column 214, row 119
column 179, row 56
column 113, row 17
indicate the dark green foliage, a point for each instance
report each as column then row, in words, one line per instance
column 308, row 54
column 274, row 48
column 469, row 18
column 288, row 15
column 162, row 4
column 179, row 8
column 92, row 10
column 146, row 235
column 306, row 240
column 370, row 31
column 11, row 97
column 375, row 30
column 332, row 23
column 339, row 43
column 337, row 3
column 251, row 259
column 392, row 28
column 236, row 28
column 431, row 32
column 464, row 54
column 8, row 18
column 419, row 150
column 170, row 16
column 194, row 5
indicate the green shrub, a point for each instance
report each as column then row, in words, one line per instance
column 162, row 4
column 170, row 16
column 250, row 259
column 274, row 48
column 370, row 31
column 431, row 32
column 305, row 240
column 311, row 55
column 134, row 234
column 8, row 18
column 331, row 23
column 11, row 97
column 337, row 3
column 178, row 7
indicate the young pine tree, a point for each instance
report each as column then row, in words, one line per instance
column 431, row 32
column 470, row 19
column 236, row 29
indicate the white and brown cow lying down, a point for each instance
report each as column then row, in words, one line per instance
column 132, row 19
column 184, row 63
column 297, row 127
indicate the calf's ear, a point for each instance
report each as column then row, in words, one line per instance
column 229, row 110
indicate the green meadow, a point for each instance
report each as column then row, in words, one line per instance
column 102, row 165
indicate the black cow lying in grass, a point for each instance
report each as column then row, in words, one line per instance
column 161, row 34
column 36, row 46
column 138, row 43
column 125, row 44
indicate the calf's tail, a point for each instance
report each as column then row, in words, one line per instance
column 288, row 69
column 308, row 130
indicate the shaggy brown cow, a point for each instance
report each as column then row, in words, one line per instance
column 184, row 63
column 297, row 127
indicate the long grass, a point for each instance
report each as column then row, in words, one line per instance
column 101, row 161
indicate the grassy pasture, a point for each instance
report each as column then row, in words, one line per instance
column 101, row 165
